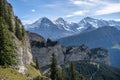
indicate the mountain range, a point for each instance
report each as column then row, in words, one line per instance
column 89, row 31
column 24, row 55
column 93, row 64
column 106, row 37
column 61, row 28
column 42, row 50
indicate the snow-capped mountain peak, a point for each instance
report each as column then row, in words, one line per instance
column 61, row 21
column 88, row 19
column 95, row 23
column 42, row 20
column 61, row 28
column 62, row 24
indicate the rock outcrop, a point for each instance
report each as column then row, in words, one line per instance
column 106, row 37
column 42, row 49
column 42, row 52
column 24, row 55
column 82, row 52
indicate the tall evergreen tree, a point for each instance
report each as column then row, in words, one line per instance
column 63, row 73
column 9, row 19
column 6, row 13
column 18, row 30
column 58, row 76
column 7, row 52
column 2, row 8
column 72, row 71
column 53, row 68
column 23, row 31
column 37, row 64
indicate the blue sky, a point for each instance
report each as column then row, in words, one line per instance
column 71, row 10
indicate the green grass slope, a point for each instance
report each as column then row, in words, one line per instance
column 12, row 74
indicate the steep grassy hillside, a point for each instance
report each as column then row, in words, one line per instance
column 11, row 74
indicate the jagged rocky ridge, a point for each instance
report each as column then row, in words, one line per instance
column 61, row 28
column 43, row 49
column 93, row 64
column 107, row 37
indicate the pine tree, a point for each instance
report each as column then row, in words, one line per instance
column 9, row 19
column 63, row 73
column 59, row 74
column 7, row 52
column 6, row 13
column 37, row 64
column 53, row 68
column 72, row 71
column 2, row 8
column 18, row 31
column 23, row 31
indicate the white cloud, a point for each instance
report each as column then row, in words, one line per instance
column 54, row 4
column 77, row 13
column 33, row 10
column 108, row 9
column 28, row 21
column 50, row 5
column 117, row 19
column 79, row 2
column 97, row 7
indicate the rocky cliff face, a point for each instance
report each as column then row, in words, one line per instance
column 19, row 37
column 43, row 55
column 24, row 55
column 42, row 49
column 82, row 52
column 42, row 52
column 105, row 37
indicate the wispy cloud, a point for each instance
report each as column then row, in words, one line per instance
column 80, row 2
column 54, row 4
column 96, row 7
column 77, row 13
column 33, row 10
column 50, row 5
column 28, row 21
column 108, row 9
column 68, row 9
column 117, row 19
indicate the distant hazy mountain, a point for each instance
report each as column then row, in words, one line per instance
column 61, row 28
column 104, row 36
column 107, row 37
